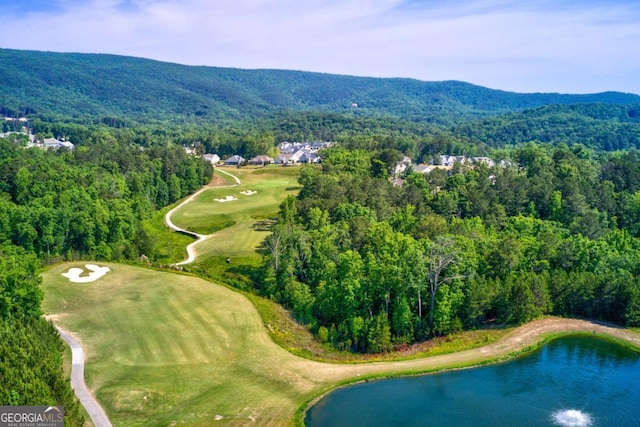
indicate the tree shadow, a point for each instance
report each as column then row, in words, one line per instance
column 264, row 225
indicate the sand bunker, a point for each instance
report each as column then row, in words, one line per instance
column 78, row 275
column 248, row 192
column 226, row 199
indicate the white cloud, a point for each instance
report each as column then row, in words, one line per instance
column 545, row 45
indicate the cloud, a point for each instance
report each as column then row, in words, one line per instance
column 544, row 45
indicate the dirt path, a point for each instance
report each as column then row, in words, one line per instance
column 191, row 252
column 91, row 405
column 520, row 338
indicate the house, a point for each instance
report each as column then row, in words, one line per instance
column 320, row 145
column 423, row 168
column 214, row 159
column 486, row 160
column 292, row 147
column 402, row 166
column 283, row 159
column 295, row 157
column 234, row 160
column 446, row 160
column 55, row 144
column 310, row 157
column 261, row 160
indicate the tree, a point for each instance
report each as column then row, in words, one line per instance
column 379, row 335
column 443, row 254
column 276, row 243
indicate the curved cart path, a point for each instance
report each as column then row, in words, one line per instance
column 91, row 405
column 191, row 253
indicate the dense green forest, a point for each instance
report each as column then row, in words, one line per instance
column 596, row 125
column 369, row 266
column 30, row 348
column 94, row 87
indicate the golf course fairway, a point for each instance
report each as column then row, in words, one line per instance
column 168, row 349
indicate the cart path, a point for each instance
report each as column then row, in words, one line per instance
column 191, row 253
column 521, row 338
column 91, row 405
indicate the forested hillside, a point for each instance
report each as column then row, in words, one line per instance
column 370, row 266
column 596, row 125
column 93, row 86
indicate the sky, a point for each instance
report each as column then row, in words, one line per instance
column 566, row 46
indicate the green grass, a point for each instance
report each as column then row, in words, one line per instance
column 170, row 246
column 170, row 349
column 205, row 215
column 165, row 348
column 241, row 225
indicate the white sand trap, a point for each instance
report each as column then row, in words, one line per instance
column 226, row 199
column 76, row 275
column 248, row 192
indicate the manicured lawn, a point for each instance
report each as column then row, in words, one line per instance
column 165, row 348
column 206, row 215
column 240, row 225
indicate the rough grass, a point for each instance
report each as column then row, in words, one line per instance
column 170, row 349
column 289, row 334
column 170, row 245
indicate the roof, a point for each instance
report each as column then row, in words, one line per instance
column 235, row 159
column 213, row 158
column 261, row 159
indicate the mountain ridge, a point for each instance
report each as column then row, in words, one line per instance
column 81, row 85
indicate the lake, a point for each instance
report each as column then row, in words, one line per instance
column 573, row 381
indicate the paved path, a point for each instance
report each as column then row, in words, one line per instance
column 91, row 405
column 191, row 253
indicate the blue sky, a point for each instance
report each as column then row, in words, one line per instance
column 569, row 46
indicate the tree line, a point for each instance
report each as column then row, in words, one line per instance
column 91, row 201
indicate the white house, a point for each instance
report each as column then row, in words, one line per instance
column 55, row 144
column 214, row 159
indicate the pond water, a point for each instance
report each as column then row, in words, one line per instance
column 573, row 381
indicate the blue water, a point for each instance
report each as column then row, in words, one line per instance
column 598, row 380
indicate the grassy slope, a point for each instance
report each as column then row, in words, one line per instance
column 163, row 347
column 170, row 246
column 242, row 224
column 169, row 349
